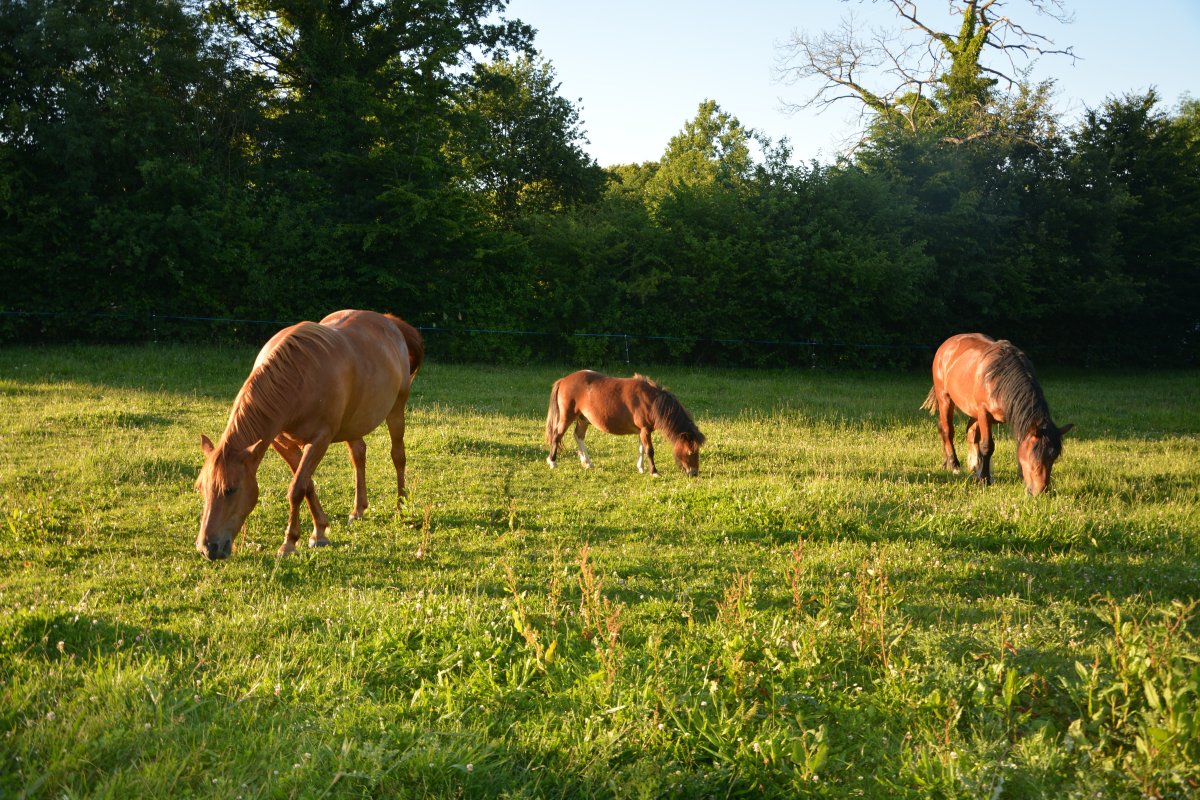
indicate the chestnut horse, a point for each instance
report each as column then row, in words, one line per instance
column 312, row 384
column 622, row 406
column 992, row 381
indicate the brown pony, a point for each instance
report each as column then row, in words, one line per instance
column 312, row 384
column 992, row 381
column 622, row 406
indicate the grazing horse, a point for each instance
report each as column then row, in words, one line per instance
column 312, row 384
column 622, row 406
column 992, row 381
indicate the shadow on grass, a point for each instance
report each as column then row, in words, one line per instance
column 82, row 636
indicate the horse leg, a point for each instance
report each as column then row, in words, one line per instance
column 646, row 445
column 292, row 455
column 300, row 489
column 563, row 422
column 395, row 423
column 358, row 457
column 987, row 446
column 581, row 426
column 973, row 446
column 946, row 429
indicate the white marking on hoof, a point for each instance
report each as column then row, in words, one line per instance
column 551, row 462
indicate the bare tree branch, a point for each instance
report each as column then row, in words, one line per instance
column 848, row 64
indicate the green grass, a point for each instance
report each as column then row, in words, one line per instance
column 823, row 612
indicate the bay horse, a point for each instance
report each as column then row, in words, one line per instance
column 621, row 406
column 312, row 384
column 993, row 381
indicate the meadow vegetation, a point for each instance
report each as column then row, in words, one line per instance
column 822, row 612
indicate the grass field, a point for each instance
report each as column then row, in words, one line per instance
column 823, row 612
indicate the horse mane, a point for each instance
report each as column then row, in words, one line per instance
column 1016, row 387
column 670, row 416
column 277, row 380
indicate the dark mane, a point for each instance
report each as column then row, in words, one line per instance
column 671, row 417
column 1015, row 385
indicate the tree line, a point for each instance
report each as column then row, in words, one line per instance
column 269, row 159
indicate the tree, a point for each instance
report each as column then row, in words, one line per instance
column 355, row 170
column 928, row 77
column 519, row 143
column 1131, row 219
column 713, row 148
column 121, row 151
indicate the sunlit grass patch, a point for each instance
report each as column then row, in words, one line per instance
column 822, row 611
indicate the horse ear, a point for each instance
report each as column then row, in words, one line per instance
column 1065, row 429
column 206, row 445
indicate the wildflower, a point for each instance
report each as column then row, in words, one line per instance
column 62, row 646
column 470, row 767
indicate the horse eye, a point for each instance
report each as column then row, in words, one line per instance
column 230, row 491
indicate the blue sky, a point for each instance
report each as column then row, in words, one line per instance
column 638, row 70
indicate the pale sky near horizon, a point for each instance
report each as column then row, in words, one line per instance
column 639, row 70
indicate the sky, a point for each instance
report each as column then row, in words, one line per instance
column 638, row 71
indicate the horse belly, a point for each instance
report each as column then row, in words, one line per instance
column 619, row 425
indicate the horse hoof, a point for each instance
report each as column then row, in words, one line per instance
column 315, row 542
column 286, row 548
column 551, row 463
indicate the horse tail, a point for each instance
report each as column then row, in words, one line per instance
column 415, row 342
column 930, row 403
column 552, row 414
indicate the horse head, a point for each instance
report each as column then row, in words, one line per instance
column 228, row 483
column 1036, row 453
column 687, row 453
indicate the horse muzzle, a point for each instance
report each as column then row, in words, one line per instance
column 217, row 549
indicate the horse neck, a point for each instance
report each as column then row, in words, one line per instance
column 668, row 415
column 1028, row 408
column 252, row 419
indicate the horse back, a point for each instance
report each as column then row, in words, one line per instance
column 614, row 405
column 959, row 370
column 367, row 378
